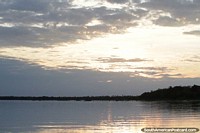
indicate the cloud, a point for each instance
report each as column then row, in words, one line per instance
column 13, row 35
column 181, row 11
column 194, row 59
column 167, row 21
column 24, row 5
column 154, row 68
column 147, row 72
column 118, row 1
column 155, row 72
column 122, row 60
column 194, row 32
column 36, row 23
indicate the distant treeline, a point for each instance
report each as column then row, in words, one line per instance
column 171, row 93
column 84, row 98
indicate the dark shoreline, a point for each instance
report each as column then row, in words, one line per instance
column 171, row 93
column 83, row 98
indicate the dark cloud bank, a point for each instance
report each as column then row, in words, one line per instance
column 18, row 78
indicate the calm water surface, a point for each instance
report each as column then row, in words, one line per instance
column 95, row 117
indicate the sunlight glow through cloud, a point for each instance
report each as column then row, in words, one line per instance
column 152, row 57
column 132, row 36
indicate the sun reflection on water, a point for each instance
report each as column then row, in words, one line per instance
column 132, row 117
column 97, row 117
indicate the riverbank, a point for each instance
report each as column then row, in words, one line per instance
column 171, row 93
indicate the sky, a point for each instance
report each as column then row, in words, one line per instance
column 97, row 47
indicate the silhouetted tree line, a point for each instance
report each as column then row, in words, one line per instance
column 171, row 93
column 85, row 98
